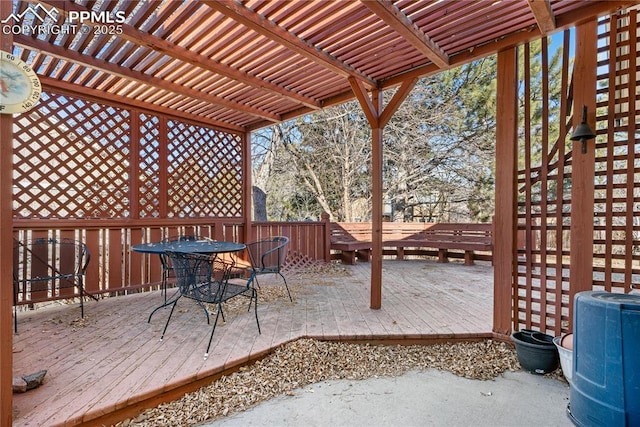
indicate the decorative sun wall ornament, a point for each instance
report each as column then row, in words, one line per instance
column 19, row 85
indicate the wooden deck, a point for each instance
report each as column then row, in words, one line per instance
column 111, row 364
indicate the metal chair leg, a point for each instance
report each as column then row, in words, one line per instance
column 168, row 319
column 206, row 353
column 255, row 296
column 286, row 286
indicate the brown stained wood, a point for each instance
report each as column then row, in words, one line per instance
column 377, row 155
column 544, row 181
column 259, row 24
column 247, row 184
column 583, row 165
column 560, row 317
column 400, row 23
column 268, row 60
column 631, row 149
column 544, row 15
column 6, row 249
column 140, row 78
column 504, row 243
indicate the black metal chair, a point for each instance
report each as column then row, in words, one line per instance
column 268, row 256
column 44, row 267
column 205, row 279
column 167, row 269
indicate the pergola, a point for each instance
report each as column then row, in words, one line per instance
column 241, row 66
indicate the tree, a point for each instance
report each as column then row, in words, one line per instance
column 438, row 155
column 439, row 146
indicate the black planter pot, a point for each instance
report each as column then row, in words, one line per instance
column 536, row 352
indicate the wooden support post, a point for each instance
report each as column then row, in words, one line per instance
column 504, row 242
column 378, row 118
column 376, row 220
column 583, row 165
column 326, row 220
column 6, row 248
column 247, row 199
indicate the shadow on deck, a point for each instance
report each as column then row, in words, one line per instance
column 112, row 364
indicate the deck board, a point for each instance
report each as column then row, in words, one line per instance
column 115, row 359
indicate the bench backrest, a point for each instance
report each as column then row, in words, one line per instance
column 361, row 231
column 458, row 231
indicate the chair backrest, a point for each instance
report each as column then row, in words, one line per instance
column 48, row 265
column 268, row 255
column 186, row 238
column 166, row 265
column 200, row 276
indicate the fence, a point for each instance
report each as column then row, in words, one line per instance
column 116, row 269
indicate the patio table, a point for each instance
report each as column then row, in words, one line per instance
column 189, row 246
column 211, row 247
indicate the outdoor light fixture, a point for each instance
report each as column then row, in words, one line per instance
column 583, row 131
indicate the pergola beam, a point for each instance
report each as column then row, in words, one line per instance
column 258, row 23
column 141, row 38
column 138, row 77
column 400, row 23
column 544, row 15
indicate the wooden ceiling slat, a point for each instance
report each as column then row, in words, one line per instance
column 197, row 60
column 311, row 21
column 144, row 79
column 257, row 23
column 333, row 33
column 162, row 15
column 291, row 15
column 196, row 35
column 250, row 63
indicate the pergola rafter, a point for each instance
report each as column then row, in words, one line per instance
column 390, row 14
column 263, row 26
column 138, row 77
column 187, row 56
column 544, row 15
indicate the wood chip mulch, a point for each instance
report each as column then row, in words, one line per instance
column 308, row 361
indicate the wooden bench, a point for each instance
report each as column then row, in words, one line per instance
column 352, row 241
column 467, row 237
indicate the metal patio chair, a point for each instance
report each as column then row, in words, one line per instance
column 205, row 279
column 48, row 268
column 268, row 256
column 167, row 269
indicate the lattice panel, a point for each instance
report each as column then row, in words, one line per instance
column 71, row 160
column 204, row 172
column 617, row 185
column 544, row 200
column 149, row 164
column 542, row 281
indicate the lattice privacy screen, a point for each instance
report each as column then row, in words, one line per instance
column 542, row 295
column 73, row 159
column 204, row 172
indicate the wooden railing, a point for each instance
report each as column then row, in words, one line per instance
column 116, row 269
